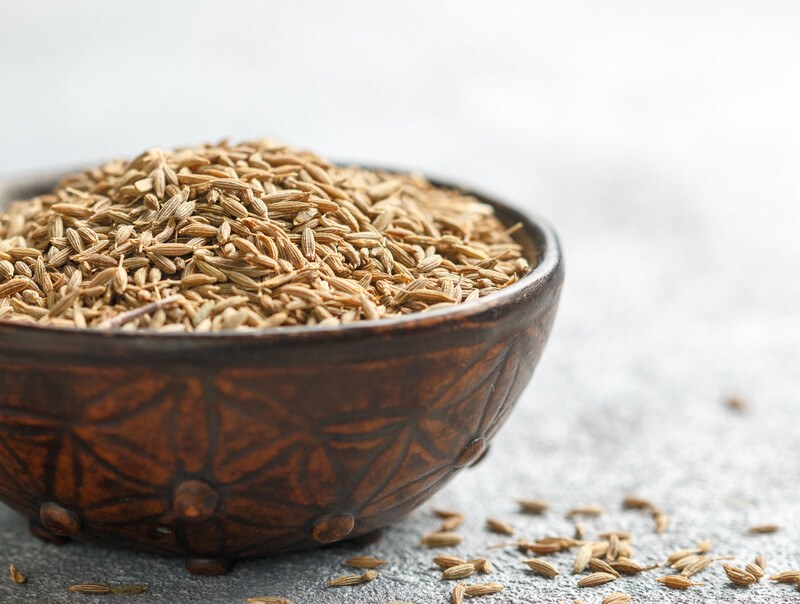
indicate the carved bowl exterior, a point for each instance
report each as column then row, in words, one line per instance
column 226, row 446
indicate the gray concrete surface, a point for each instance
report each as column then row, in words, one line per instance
column 661, row 140
column 663, row 313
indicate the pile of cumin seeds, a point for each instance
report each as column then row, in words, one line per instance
column 245, row 236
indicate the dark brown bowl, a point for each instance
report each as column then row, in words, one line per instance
column 234, row 445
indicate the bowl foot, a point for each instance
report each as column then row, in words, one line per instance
column 38, row 531
column 208, row 566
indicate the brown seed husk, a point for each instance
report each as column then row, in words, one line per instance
column 697, row 566
column 90, row 588
column 348, row 580
column 446, row 561
column 738, row 576
column 755, row 570
column 457, row 595
column 633, row 502
column 682, row 563
column 601, row 566
column 451, row 523
column 616, row 597
column 763, row 529
column 786, row 576
column 761, row 561
column 661, row 521
column 16, row 576
column 737, row 403
column 365, row 562
column 614, row 547
column 580, row 530
column 268, row 600
column 441, row 539
column 444, row 513
column 681, row 553
column 484, row 589
column 499, row 526
column 596, row 579
column 678, row 582
column 459, row 571
column 541, row 567
column 482, row 565
column 626, row 566
column 533, row 506
column 585, row 510
column 704, row 546
column 583, row 557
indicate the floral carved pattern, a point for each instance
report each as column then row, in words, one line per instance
column 247, row 461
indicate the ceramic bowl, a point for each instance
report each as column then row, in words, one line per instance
column 227, row 446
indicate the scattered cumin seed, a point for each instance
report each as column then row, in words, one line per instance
column 764, row 529
column 682, row 563
column 541, row 549
column 614, row 547
column 704, row 546
column 601, row 566
column 457, row 595
column 738, row 576
column 596, row 579
column 678, row 582
column 452, row 523
column 446, row 561
column 482, row 565
column 661, row 521
column 365, row 562
column 761, row 561
column 616, row 597
column 737, row 403
column 348, row 580
column 533, row 506
column 541, row 567
column 586, row 510
column 441, row 539
column 678, row 554
column 16, row 576
column 697, row 566
column 583, row 557
column 755, row 570
column 633, row 502
column 90, row 588
column 444, row 513
column 459, row 571
column 626, row 566
column 484, row 589
column 580, row 530
column 268, row 600
column 499, row 526
column 786, row 576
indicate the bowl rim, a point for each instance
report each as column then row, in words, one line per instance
column 538, row 229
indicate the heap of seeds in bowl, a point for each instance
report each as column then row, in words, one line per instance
column 245, row 236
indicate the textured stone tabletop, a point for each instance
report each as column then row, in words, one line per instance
column 664, row 312
column 664, row 154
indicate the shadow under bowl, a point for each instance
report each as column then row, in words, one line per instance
column 225, row 446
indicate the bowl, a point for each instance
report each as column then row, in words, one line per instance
column 224, row 446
